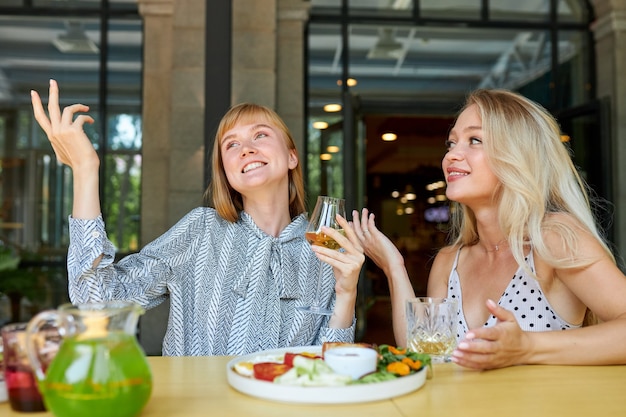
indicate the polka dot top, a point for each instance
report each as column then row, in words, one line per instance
column 523, row 297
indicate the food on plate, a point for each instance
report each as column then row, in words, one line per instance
column 267, row 371
column 244, row 368
column 310, row 369
column 290, row 356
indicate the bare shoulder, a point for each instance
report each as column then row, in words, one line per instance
column 446, row 254
column 566, row 236
column 440, row 271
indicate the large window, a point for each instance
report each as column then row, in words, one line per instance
column 402, row 68
column 95, row 54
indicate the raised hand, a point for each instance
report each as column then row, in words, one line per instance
column 65, row 129
column 73, row 148
column 378, row 247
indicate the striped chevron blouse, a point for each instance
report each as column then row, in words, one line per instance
column 233, row 289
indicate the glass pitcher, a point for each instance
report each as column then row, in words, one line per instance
column 99, row 369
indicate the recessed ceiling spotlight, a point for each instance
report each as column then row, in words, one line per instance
column 333, row 107
column 326, row 157
column 389, row 137
column 320, row 125
column 332, row 149
column 351, row 82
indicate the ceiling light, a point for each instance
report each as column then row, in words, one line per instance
column 351, row 82
column 326, row 157
column 320, row 125
column 386, row 47
column 409, row 193
column 332, row 149
column 75, row 40
column 333, row 107
column 389, row 137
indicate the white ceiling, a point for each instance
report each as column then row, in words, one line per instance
column 434, row 65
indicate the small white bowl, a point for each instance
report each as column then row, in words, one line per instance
column 352, row 361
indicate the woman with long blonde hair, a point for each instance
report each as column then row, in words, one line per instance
column 526, row 259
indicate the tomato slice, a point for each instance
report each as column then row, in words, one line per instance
column 267, row 371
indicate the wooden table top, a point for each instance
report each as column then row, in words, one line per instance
column 197, row 386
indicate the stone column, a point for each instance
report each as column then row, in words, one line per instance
column 268, row 58
column 173, row 112
column 173, row 128
column 157, row 72
column 187, row 109
column 609, row 31
column 254, row 52
column 290, row 82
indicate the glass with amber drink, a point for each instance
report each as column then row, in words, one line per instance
column 324, row 214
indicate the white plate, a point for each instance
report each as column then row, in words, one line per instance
column 319, row 395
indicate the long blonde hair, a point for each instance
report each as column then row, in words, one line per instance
column 537, row 178
column 225, row 199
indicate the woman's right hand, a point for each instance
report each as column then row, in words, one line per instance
column 72, row 148
column 65, row 131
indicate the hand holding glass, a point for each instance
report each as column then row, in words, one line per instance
column 324, row 214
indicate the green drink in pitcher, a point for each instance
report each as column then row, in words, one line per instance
column 98, row 378
column 99, row 369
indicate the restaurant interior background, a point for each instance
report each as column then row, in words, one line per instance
column 408, row 64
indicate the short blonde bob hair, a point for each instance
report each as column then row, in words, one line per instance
column 225, row 199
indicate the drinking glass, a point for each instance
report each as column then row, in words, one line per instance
column 22, row 388
column 324, row 214
column 431, row 327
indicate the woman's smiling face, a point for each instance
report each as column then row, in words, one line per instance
column 254, row 154
column 468, row 175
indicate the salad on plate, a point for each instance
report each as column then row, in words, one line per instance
column 306, row 369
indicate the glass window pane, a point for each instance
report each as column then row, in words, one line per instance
column 451, row 9
column 574, row 68
column 325, row 81
column 121, row 199
column 123, row 4
column 83, row 4
column 387, row 8
column 528, row 10
column 573, row 11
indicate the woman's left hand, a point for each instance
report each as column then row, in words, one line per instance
column 502, row 345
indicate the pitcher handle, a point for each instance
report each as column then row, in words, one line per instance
column 44, row 321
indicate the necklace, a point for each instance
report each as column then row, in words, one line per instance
column 496, row 246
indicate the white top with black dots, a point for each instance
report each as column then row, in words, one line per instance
column 523, row 296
